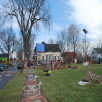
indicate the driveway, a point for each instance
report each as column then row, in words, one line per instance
column 7, row 75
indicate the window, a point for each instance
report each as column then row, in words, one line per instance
column 39, row 55
column 92, row 52
column 94, row 58
column 46, row 57
column 39, row 59
column 55, row 57
column 42, row 57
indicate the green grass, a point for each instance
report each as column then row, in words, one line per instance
column 11, row 92
column 62, row 85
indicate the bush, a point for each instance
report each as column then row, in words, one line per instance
column 94, row 61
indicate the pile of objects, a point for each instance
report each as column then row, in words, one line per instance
column 47, row 71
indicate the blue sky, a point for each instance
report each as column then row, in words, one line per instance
column 60, row 20
column 85, row 13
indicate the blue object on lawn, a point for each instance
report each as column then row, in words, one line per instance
column 40, row 47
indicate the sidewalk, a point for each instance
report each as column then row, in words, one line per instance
column 31, row 91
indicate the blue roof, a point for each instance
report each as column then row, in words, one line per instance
column 40, row 47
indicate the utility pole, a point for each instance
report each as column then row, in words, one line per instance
column 85, row 31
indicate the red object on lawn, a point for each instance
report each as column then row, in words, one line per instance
column 35, row 99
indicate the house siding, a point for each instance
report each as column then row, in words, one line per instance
column 44, row 57
column 95, row 55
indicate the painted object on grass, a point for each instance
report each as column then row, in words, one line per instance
column 35, row 99
column 31, row 87
column 94, row 78
column 31, row 93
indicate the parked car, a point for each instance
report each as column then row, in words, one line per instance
column 2, row 67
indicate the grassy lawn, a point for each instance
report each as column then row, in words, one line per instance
column 62, row 85
column 12, row 91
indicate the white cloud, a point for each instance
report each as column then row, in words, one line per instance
column 89, row 14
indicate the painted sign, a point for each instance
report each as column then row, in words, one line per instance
column 31, row 93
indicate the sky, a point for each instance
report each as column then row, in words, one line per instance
column 85, row 13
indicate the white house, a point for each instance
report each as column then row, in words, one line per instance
column 96, row 54
column 20, row 55
column 47, row 52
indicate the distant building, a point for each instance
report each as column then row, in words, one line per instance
column 97, row 55
column 47, row 52
column 3, row 57
column 20, row 55
column 68, row 56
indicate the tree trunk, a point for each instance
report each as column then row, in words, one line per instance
column 74, row 52
column 8, row 59
column 26, row 48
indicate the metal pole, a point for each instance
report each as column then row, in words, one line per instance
column 85, row 31
column 85, row 49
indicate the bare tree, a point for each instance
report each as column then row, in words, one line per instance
column 85, row 47
column 51, row 41
column 28, row 14
column 99, row 43
column 73, row 32
column 61, row 40
column 8, row 42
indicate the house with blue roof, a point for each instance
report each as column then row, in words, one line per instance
column 47, row 52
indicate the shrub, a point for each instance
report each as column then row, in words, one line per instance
column 94, row 61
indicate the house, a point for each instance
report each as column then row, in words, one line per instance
column 20, row 55
column 47, row 52
column 96, row 55
column 3, row 57
column 68, row 56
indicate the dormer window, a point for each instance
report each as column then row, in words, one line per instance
column 92, row 52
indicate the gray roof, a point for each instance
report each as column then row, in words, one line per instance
column 98, row 50
column 52, row 48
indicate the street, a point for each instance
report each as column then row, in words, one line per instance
column 7, row 75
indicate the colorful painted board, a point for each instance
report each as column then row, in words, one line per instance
column 30, row 82
column 31, row 87
column 35, row 99
column 31, row 93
